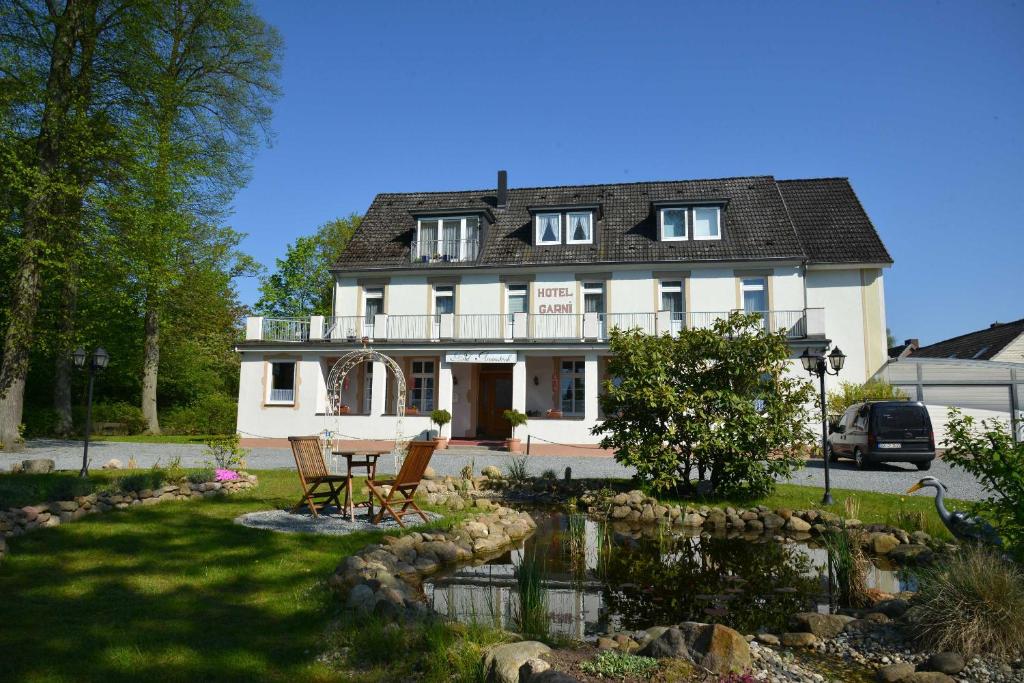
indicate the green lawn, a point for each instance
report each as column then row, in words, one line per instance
column 173, row 592
column 178, row 592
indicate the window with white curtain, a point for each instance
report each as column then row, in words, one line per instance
column 444, row 300
column 579, row 228
column 422, row 394
column 447, row 239
column 549, row 228
column 282, row 382
column 593, row 297
column 518, row 299
column 572, row 387
column 755, row 294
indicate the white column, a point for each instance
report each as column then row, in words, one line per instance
column 444, row 394
column 379, row 389
column 316, row 327
column 590, row 387
column 254, row 328
column 519, row 383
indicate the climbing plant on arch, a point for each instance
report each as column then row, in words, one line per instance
column 336, row 381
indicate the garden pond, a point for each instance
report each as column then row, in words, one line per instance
column 601, row 577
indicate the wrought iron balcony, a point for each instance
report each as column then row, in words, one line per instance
column 430, row 252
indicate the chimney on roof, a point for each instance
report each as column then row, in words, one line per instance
column 502, row 189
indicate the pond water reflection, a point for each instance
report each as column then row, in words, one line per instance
column 602, row 577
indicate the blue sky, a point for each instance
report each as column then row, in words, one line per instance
column 920, row 104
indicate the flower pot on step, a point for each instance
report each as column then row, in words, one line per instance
column 514, row 445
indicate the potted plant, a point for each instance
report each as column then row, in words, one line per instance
column 441, row 417
column 516, row 419
column 555, row 414
column 412, row 410
column 344, row 409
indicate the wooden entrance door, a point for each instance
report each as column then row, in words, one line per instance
column 495, row 399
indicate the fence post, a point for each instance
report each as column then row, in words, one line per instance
column 527, row 444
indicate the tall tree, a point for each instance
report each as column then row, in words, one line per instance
column 50, row 95
column 203, row 84
column 302, row 283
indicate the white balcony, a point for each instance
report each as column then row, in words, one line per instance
column 517, row 327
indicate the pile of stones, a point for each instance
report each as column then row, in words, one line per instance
column 457, row 493
column 387, row 578
column 634, row 507
column 17, row 521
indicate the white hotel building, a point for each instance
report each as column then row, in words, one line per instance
column 504, row 298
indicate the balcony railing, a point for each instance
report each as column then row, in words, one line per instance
column 444, row 251
column 509, row 327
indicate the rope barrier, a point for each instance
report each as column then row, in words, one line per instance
column 566, row 445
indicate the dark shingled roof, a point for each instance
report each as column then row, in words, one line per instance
column 980, row 345
column 763, row 219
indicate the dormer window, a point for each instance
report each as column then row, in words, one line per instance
column 569, row 225
column 549, row 228
column 579, row 228
column 673, row 224
column 680, row 223
column 446, row 239
column 706, row 223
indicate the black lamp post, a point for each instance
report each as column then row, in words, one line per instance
column 97, row 362
column 814, row 363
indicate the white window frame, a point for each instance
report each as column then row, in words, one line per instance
column 537, row 228
column 568, row 227
column 573, row 375
column 367, row 388
column 442, row 291
column 686, row 223
column 761, row 286
column 270, row 382
column 594, row 288
column 413, row 376
column 464, row 253
column 718, row 223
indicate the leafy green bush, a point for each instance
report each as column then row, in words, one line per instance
column 201, row 476
column 719, row 402
column 225, row 453
column 991, row 456
column 209, row 414
column 440, row 417
column 849, row 393
column 40, row 422
column 118, row 411
column 973, row 603
column 517, row 471
column 614, row 664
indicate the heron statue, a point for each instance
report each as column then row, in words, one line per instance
column 961, row 525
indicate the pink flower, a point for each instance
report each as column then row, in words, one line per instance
column 226, row 475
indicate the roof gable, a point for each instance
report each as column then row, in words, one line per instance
column 979, row 345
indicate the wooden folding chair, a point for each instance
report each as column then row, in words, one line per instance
column 403, row 486
column 309, row 461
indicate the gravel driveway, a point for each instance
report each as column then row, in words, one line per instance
column 883, row 478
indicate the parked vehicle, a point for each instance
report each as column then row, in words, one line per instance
column 884, row 431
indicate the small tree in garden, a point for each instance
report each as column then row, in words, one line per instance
column 516, row 419
column 440, row 417
column 987, row 451
column 716, row 403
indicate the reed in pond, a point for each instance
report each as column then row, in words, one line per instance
column 574, row 545
column 530, row 614
column 848, row 567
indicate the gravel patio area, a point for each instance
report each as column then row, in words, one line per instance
column 883, row 478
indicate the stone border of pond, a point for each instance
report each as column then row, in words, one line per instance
column 17, row 521
column 387, row 578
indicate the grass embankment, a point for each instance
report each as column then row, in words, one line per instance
column 909, row 513
column 179, row 592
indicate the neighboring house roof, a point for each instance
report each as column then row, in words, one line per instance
column 905, row 349
column 818, row 220
column 980, row 345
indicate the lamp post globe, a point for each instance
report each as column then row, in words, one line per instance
column 79, row 357
column 100, row 357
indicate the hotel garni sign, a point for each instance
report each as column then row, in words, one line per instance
column 554, row 299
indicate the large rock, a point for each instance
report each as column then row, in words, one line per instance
column 669, row 644
column 361, row 598
column 502, row 663
column 910, row 552
column 112, row 464
column 822, row 625
column 895, row 672
column 799, row 639
column 796, row 524
column 944, row 662
column 927, row 677
column 894, row 608
column 882, row 543
column 712, row 646
column 37, row 466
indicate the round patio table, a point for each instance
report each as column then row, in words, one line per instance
column 359, row 459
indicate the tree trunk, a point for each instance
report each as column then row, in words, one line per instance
column 150, row 368
column 36, row 226
column 65, row 344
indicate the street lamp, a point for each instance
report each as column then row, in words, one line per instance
column 814, row 364
column 97, row 362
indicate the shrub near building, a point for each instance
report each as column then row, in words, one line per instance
column 716, row 401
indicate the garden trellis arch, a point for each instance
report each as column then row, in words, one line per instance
column 335, row 383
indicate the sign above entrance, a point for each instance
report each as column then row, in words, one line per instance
column 480, row 357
